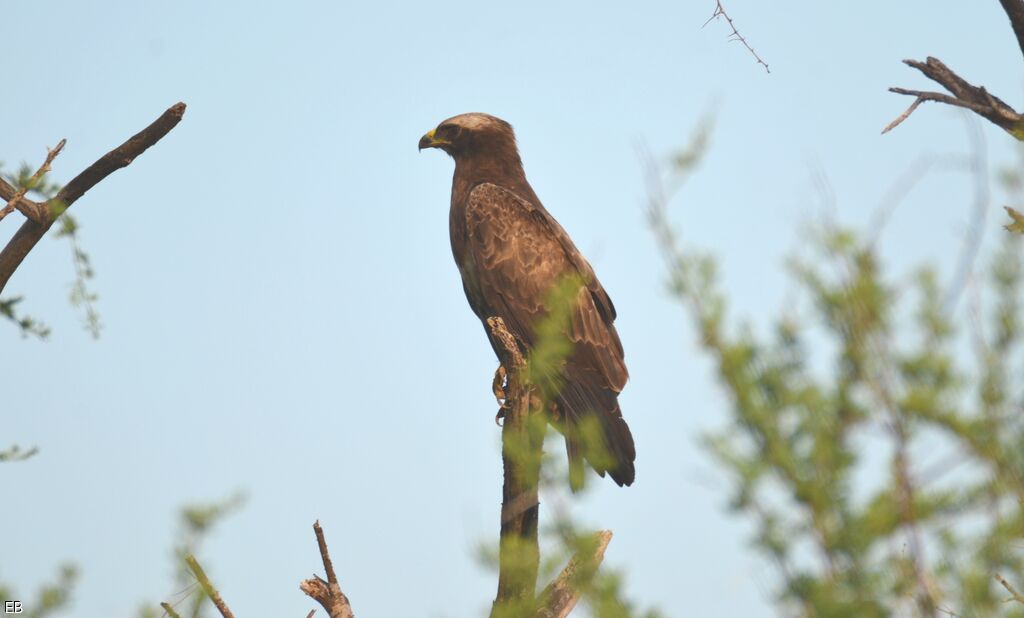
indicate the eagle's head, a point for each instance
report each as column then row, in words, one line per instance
column 470, row 135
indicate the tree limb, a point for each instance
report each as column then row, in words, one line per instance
column 1015, row 11
column 964, row 94
column 522, row 438
column 207, row 587
column 562, row 594
column 327, row 593
column 32, row 231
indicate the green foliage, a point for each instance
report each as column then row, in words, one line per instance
column 1016, row 224
column 66, row 227
column 15, row 453
column 890, row 480
column 51, row 598
column 27, row 324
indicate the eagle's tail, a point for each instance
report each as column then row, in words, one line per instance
column 595, row 430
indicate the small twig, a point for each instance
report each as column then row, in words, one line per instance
column 327, row 593
column 1017, row 596
column 208, row 588
column 735, row 36
column 169, row 610
column 910, row 110
column 27, row 207
column 560, row 596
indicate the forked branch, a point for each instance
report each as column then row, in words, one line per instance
column 961, row 92
column 42, row 216
column 327, row 593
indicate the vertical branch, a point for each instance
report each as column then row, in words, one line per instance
column 522, row 445
column 327, row 593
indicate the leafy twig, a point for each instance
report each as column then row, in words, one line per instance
column 29, row 208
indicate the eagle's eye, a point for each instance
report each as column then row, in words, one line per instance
column 448, row 131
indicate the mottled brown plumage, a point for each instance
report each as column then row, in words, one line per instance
column 512, row 254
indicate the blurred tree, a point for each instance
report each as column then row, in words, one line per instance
column 889, row 479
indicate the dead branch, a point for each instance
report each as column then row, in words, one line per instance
column 33, row 230
column 31, row 209
column 562, row 594
column 207, row 587
column 327, row 593
column 735, row 36
column 521, row 449
column 964, row 94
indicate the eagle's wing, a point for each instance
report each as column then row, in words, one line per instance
column 516, row 253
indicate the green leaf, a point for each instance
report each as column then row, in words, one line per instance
column 1017, row 225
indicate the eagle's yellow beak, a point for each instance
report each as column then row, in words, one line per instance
column 429, row 141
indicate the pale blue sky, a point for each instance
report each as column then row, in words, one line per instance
column 283, row 315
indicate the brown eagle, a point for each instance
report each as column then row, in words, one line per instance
column 512, row 254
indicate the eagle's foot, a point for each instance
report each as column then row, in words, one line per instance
column 498, row 386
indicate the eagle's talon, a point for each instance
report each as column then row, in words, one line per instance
column 500, row 415
column 498, row 385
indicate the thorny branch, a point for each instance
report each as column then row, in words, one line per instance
column 36, row 227
column 735, row 35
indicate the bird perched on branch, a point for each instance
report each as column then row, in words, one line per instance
column 514, row 258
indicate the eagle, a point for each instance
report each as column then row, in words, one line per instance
column 512, row 256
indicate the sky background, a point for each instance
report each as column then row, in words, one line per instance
column 283, row 316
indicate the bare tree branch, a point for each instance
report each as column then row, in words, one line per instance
column 26, row 207
column 562, row 594
column 964, row 94
column 327, row 593
column 32, row 231
column 735, row 36
column 207, row 587
column 521, row 449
